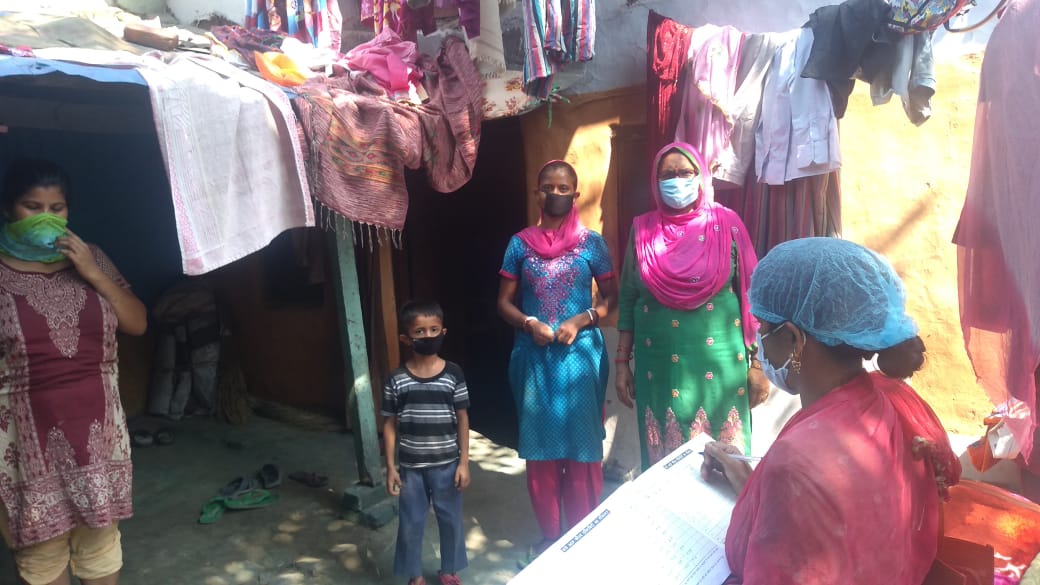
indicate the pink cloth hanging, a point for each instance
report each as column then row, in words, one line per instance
column 997, row 235
column 706, row 119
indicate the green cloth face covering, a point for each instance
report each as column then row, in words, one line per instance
column 33, row 239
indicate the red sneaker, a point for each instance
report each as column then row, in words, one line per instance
column 449, row 579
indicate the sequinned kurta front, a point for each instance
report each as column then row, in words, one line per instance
column 690, row 371
column 559, row 389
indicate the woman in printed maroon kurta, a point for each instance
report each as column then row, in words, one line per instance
column 65, row 470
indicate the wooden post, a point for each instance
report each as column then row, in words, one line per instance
column 370, row 488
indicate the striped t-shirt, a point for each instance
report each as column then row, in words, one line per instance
column 427, row 427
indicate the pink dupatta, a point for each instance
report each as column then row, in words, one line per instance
column 553, row 243
column 684, row 260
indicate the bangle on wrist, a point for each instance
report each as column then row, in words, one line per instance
column 592, row 316
column 526, row 327
column 621, row 360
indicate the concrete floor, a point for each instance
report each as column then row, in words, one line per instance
column 304, row 538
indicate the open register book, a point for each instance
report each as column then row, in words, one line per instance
column 666, row 527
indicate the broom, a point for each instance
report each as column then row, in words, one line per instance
column 233, row 404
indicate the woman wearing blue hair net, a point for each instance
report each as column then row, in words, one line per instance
column 850, row 491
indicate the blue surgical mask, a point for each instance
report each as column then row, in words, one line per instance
column 776, row 376
column 678, row 192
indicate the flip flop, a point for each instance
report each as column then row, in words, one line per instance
column 142, row 438
column 533, row 553
column 269, row 476
column 309, row 478
column 236, row 487
column 251, row 500
column 212, row 511
column 527, row 558
column 164, row 436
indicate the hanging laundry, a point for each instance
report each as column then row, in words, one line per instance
column 416, row 18
column 556, row 32
column 802, row 208
column 706, row 119
column 667, row 50
column 409, row 18
column 907, row 70
column 317, row 22
column 797, row 135
column 361, row 142
column 756, row 56
column 488, row 50
column 382, row 14
column 232, row 152
column 843, row 34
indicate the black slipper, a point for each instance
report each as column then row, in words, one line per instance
column 270, row 476
column 309, row 478
column 237, row 487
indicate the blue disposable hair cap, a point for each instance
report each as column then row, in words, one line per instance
column 836, row 291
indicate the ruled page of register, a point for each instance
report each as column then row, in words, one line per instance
column 668, row 526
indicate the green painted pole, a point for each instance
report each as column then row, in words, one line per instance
column 360, row 409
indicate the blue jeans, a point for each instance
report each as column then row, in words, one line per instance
column 420, row 488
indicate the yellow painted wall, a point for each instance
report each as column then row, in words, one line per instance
column 902, row 188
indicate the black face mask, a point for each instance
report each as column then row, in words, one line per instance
column 428, row 345
column 557, row 205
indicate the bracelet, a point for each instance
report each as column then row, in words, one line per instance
column 592, row 316
column 621, row 361
column 527, row 322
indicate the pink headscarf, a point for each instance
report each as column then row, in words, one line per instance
column 685, row 259
column 552, row 243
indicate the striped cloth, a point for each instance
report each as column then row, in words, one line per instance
column 427, row 424
column 802, row 208
column 556, row 32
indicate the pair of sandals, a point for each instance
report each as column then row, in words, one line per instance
column 243, row 493
column 144, row 438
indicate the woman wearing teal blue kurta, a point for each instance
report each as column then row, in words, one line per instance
column 683, row 313
column 558, row 369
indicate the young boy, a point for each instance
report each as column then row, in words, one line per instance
column 424, row 404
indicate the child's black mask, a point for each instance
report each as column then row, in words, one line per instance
column 428, row 345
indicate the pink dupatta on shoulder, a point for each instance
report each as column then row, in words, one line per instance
column 684, row 260
column 553, row 243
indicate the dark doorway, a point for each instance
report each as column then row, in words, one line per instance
column 452, row 251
